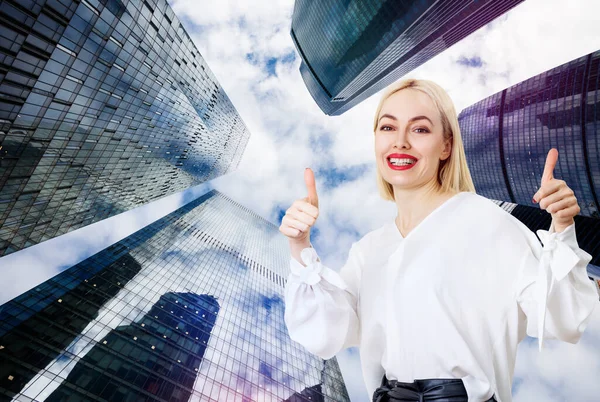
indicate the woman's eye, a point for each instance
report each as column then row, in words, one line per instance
column 385, row 128
column 421, row 130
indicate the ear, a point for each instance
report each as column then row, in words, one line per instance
column 447, row 149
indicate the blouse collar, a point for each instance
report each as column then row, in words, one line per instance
column 396, row 232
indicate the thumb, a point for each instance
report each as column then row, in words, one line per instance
column 311, row 187
column 551, row 160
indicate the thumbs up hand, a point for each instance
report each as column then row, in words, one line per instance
column 303, row 213
column 555, row 196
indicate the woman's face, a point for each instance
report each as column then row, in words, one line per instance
column 409, row 140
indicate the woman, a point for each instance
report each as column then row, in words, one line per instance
column 439, row 299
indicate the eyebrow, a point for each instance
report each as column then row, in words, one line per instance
column 389, row 116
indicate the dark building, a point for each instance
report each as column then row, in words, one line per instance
column 311, row 394
column 352, row 49
column 507, row 136
column 139, row 319
column 105, row 105
column 154, row 359
column 48, row 326
column 38, row 326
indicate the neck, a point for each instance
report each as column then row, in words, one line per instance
column 416, row 203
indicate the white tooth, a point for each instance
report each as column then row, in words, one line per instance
column 401, row 161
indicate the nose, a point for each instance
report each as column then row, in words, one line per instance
column 401, row 140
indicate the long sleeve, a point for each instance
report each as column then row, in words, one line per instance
column 553, row 288
column 321, row 305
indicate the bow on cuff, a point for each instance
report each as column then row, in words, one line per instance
column 558, row 259
column 314, row 270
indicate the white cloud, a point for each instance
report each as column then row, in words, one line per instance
column 563, row 371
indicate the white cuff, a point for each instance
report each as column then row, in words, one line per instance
column 314, row 270
column 558, row 259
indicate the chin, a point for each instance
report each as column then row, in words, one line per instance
column 402, row 185
column 402, row 182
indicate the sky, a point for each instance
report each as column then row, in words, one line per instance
column 249, row 49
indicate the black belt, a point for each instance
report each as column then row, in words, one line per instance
column 438, row 390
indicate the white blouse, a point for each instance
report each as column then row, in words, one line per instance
column 451, row 300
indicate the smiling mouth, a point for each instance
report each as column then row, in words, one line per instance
column 401, row 163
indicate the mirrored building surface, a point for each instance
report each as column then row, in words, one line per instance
column 158, row 378
column 105, row 105
column 352, row 49
column 507, row 136
column 189, row 308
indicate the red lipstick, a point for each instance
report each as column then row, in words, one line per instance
column 401, row 156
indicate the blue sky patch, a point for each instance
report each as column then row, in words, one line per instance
column 270, row 66
column 289, row 58
column 471, row 62
column 321, row 143
column 517, row 381
column 243, row 23
column 314, row 234
column 252, row 58
column 271, row 62
column 280, row 214
column 329, row 178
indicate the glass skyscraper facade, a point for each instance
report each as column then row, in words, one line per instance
column 507, row 136
column 352, row 49
column 189, row 308
column 105, row 105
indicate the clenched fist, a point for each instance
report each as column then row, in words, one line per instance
column 303, row 213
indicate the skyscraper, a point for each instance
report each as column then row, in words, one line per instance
column 351, row 49
column 53, row 315
column 188, row 308
column 104, row 106
column 120, row 368
column 507, row 136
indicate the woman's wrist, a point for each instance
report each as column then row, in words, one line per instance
column 296, row 247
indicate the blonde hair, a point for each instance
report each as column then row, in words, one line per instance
column 453, row 172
